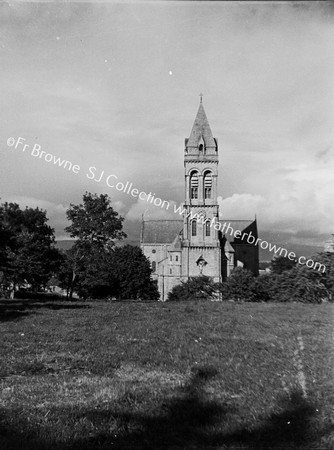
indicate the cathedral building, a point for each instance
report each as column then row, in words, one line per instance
column 201, row 243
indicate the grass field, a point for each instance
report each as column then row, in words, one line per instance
column 201, row 375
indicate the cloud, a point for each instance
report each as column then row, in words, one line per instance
column 240, row 206
column 91, row 84
column 142, row 208
column 293, row 199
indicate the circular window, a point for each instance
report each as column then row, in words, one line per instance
column 154, row 251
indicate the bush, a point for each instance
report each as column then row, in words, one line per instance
column 299, row 284
column 240, row 286
column 202, row 287
column 265, row 287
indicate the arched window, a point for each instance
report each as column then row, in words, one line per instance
column 207, row 228
column 194, row 228
column 194, row 185
column 207, row 185
column 154, row 266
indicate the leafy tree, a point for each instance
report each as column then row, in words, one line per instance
column 69, row 269
column 95, row 221
column 4, row 238
column 96, row 226
column 201, row 287
column 27, row 251
column 326, row 277
column 94, row 267
column 132, row 274
column 280, row 264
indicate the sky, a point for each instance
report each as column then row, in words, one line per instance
column 116, row 86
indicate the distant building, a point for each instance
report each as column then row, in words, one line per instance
column 200, row 243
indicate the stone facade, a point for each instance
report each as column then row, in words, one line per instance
column 179, row 249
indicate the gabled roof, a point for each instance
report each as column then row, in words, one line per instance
column 201, row 128
column 160, row 231
column 241, row 225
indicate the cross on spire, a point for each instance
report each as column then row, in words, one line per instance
column 201, row 97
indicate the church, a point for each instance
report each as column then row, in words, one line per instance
column 201, row 243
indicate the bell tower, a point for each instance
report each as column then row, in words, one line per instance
column 200, row 236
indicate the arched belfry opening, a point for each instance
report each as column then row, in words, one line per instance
column 207, row 185
column 194, row 185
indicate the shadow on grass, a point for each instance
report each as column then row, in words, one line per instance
column 190, row 421
column 17, row 309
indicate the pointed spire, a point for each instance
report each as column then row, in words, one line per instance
column 201, row 129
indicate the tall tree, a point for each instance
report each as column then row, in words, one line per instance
column 70, row 268
column 96, row 226
column 28, row 252
column 95, row 221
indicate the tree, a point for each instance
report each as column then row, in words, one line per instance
column 96, row 226
column 89, row 274
column 69, row 269
column 326, row 276
column 132, row 274
column 27, row 252
column 124, row 273
column 95, row 221
column 280, row 264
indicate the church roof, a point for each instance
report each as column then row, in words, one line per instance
column 160, row 231
column 167, row 231
column 201, row 128
column 241, row 225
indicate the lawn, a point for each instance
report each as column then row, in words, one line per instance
column 197, row 375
